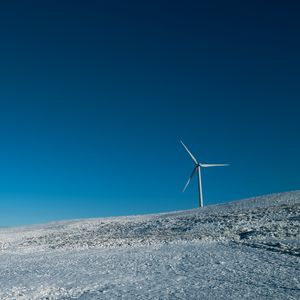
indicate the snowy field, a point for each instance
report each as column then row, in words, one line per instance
column 247, row 249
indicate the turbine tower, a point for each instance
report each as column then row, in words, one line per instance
column 198, row 167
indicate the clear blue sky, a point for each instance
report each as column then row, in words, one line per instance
column 95, row 96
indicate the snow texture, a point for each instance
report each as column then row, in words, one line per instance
column 246, row 249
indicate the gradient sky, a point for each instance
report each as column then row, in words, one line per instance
column 95, row 96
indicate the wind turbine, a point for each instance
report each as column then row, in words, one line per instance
column 198, row 167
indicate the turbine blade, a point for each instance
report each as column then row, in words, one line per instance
column 213, row 165
column 189, row 152
column 189, row 180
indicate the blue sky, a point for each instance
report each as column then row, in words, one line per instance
column 95, row 96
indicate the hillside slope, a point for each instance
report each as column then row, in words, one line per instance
column 245, row 249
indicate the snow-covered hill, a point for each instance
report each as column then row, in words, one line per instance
column 246, row 249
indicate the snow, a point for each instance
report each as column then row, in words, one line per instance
column 245, row 249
